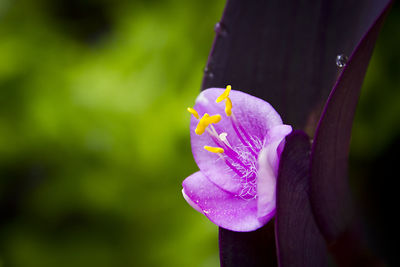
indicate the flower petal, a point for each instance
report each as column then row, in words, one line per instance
column 268, row 164
column 275, row 144
column 222, row 208
column 190, row 202
column 256, row 116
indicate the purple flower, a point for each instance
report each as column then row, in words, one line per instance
column 237, row 140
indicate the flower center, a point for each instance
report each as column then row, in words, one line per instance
column 240, row 159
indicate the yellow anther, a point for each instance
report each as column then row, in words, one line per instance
column 213, row 119
column 212, row 149
column 205, row 121
column 225, row 94
column 228, row 107
column 193, row 112
column 228, row 102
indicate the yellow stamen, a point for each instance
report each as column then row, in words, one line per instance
column 228, row 102
column 212, row 149
column 193, row 112
column 228, row 107
column 225, row 94
column 205, row 121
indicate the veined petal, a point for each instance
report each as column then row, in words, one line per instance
column 255, row 115
column 221, row 207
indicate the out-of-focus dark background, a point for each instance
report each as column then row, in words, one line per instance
column 94, row 140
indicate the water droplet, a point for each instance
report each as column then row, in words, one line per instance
column 206, row 211
column 341, row 60
column 220, row 29
column 208, row 72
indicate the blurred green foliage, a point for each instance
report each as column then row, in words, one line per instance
column 94, row 140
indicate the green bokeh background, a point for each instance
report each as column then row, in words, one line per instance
column 94, row 140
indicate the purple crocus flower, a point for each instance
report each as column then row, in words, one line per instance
column 237, row 146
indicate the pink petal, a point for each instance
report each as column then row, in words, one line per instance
column 268, row 164
column 221, row 207
column 275, row 141
column 190, row 202
column 255, row 115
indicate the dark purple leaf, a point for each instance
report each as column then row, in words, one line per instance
column 255, row 248
column 285, row 51
column 330, row 194
column 299, row 242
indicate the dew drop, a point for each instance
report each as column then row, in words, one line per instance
column 220, row 29
column 341, row 60
column 206, row 211
column 208, row 72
